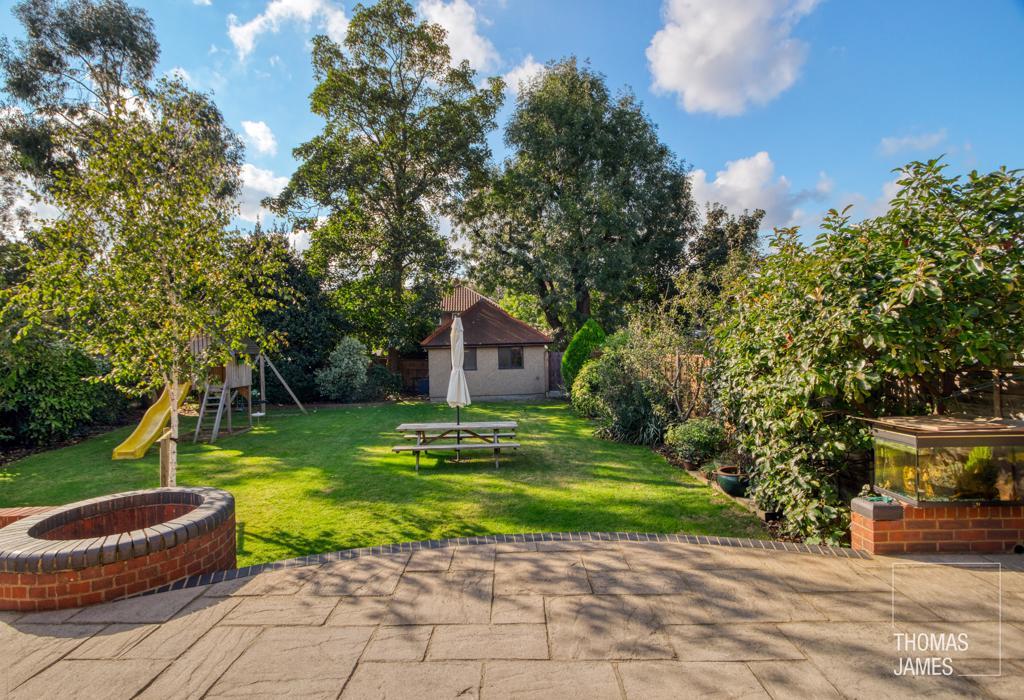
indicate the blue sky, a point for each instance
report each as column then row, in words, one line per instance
column 794, row 106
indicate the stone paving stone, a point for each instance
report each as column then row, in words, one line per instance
column 466, row 642
column 277, row 582
column 354, row 611
column 28, row 649
column 983, row 639
column 146, row 608
column 177, row 635
column 517, row 609
column 740, row 599
column 112, row 641
column 807, row 574
column 654, row 680
column 415, row 681
column 88, row 680
column 281, row 610
column 754, row 642
column 542, row 680
column 605, row 627
column 684, row 609
column 311, row 662
column 434, row 598
column 474, row 557
column 1006, row 685
column 377, row 575
column 7, row 617
column 597, row 560
column 506, row 547
column 199, row 668
column 540, row 573
column 859, row 658
column 46, row 617
column 792, row 679
column 941, row 589
column 431, row 559
column 867, row 606
column 624, row 581
column 576, row 546
column 401, row 643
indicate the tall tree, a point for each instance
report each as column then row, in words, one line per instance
column 590, row 212
column 139, row 263
column 405, row 135
column 722, row 234
column 78, row 63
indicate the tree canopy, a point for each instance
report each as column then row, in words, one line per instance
column 405, row 135
column 590, row 211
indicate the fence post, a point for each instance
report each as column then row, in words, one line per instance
column 165, row 459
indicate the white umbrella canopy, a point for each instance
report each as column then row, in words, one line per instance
column 458, row 391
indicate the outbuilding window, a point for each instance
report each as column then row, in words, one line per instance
column 469, row 359
column 510, row 358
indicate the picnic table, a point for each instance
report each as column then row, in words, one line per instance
column 437, row 437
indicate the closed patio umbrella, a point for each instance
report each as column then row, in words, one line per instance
column 458, row 392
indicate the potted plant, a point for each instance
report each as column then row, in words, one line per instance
column 695, row 442
column 731, row 474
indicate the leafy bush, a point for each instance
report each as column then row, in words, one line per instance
column 585, row 394
column 344, row 377
column 587, row 339
column 697, row 441
column 381, row 383
column 46, row 394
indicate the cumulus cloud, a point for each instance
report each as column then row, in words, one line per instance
column 205, row 3
column 259, row 136
column 751, row 183
column 523, row 73
column 459, row 19
column 244, row 35
column 721, row 56
column 891, row 145
column 257, row 183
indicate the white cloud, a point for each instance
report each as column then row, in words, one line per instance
column 459, row 19
column 204, row 3
column 523, row 73
column 259, row 136
column 181, row 74
column 299, row 241
column 721, row 56
column 864, row 208
column 258, row 183
column 750, row 183
column 332, row 20
column 891, row 145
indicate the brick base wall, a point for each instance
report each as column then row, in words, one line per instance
column 902, row 528
column 13, row 515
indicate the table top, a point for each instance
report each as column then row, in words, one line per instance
column 477, row 425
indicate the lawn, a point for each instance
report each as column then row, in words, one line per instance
column 328, row 481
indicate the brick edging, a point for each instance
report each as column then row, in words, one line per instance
column 398, row 548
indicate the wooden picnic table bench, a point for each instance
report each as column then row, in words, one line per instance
column 431, row 436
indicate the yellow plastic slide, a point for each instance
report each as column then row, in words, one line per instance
column 151, row 426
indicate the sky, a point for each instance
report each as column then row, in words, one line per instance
column 793, row 106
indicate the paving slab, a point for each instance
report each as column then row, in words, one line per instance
column 355, row 611
column 752, row 642
column 192, row 675
column 540, row 573
column 415, row 681
column 144, row 608
column 398, row 643
column 517, row 609
column 431, row 559
column 277, row 582
column 605, row 627
column 792, row 679
column 176, row 636
column 474, row 557
column 360, row 576
column 281, row 610
column 436, row 598
column 542, row 680
column 112, row 641
column 88, row 680
column 670, row 680
column 468, row 642
column 28, row 649
column 868, row 606
column 309, row 662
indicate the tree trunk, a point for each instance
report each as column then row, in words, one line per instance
column 550, row 315
column 172, row 448
column 582, row 305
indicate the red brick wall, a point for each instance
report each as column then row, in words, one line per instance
column 213, row 551
column 120, row 520
column 941, row 529
column 10, row 515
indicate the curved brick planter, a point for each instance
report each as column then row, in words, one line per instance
column 115, row 546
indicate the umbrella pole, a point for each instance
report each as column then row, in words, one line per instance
column 458, row 433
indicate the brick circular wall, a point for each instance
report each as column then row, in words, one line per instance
column 115, row 546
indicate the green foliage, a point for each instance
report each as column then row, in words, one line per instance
column 698, row 440
column 405, row 135
column 979, row 478
column 585, row 393
column 587, row 339
column 381, row 384
column 720, row 238
column 877, row 317
column 591, row 211
column 343, row 378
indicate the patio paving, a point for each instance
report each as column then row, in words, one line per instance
column 615, row 619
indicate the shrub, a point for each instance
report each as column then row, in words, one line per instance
column 697, row 441
column 381, row 383
column 587, row 339
column 585, row 394
column 343, row 378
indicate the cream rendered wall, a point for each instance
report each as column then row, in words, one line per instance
column 487, row 382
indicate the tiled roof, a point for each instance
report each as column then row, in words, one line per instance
column 485, row 323
column 460, row 299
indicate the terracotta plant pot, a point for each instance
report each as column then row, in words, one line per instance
column 733, row 481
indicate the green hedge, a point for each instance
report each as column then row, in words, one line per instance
column 587, row 339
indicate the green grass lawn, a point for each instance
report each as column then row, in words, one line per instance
column 328, row 481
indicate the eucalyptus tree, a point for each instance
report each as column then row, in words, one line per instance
column 590, row 212
column 404, row 137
